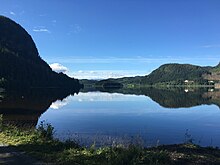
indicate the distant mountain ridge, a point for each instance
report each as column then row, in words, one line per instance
column 20, row 63
column 178, row 73
column 168, row 74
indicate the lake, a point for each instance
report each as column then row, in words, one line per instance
column 149, row 117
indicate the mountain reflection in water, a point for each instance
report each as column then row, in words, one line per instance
column 174, row 97
column 23, row 108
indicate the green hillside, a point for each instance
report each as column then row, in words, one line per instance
column 177, row 74
column 216, row 69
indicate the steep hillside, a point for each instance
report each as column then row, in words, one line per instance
column 20, row 63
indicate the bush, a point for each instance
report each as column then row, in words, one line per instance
column 45, row 131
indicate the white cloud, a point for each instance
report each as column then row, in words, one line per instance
column 60, row 103
column 104, row 74
column 101, row 96
column 96, row 74
column 41, row 30
column 12, row 13
column 58, row 68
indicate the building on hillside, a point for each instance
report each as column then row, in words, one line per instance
column 188, row 82
column 217, row 85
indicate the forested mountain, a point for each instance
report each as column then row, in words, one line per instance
column 167, row 74
column 20, row 63
column 177, row 74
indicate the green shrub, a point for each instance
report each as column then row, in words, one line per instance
column 45, row 131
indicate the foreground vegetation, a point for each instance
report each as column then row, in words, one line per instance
column 40, row 144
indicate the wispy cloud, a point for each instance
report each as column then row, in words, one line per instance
column 58, row 68
column 105, row 74
column 12, row 13
column 103, row 97
column 96, row 74
column 211, row 46
column 41, row 29
column 75, row 29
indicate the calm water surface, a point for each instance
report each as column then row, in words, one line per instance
column 107, row 118
column 149, row 116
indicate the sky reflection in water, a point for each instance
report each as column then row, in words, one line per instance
column 99, row 116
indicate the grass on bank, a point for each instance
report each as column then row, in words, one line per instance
column 41, row 144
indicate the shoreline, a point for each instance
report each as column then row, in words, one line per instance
column 40, row 145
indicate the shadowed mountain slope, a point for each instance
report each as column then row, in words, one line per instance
column 20, row 63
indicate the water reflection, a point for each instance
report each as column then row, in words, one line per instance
column 119, row 114
column 176, row 97
column 23, row 107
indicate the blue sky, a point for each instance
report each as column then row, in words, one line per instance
column 115, row 38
